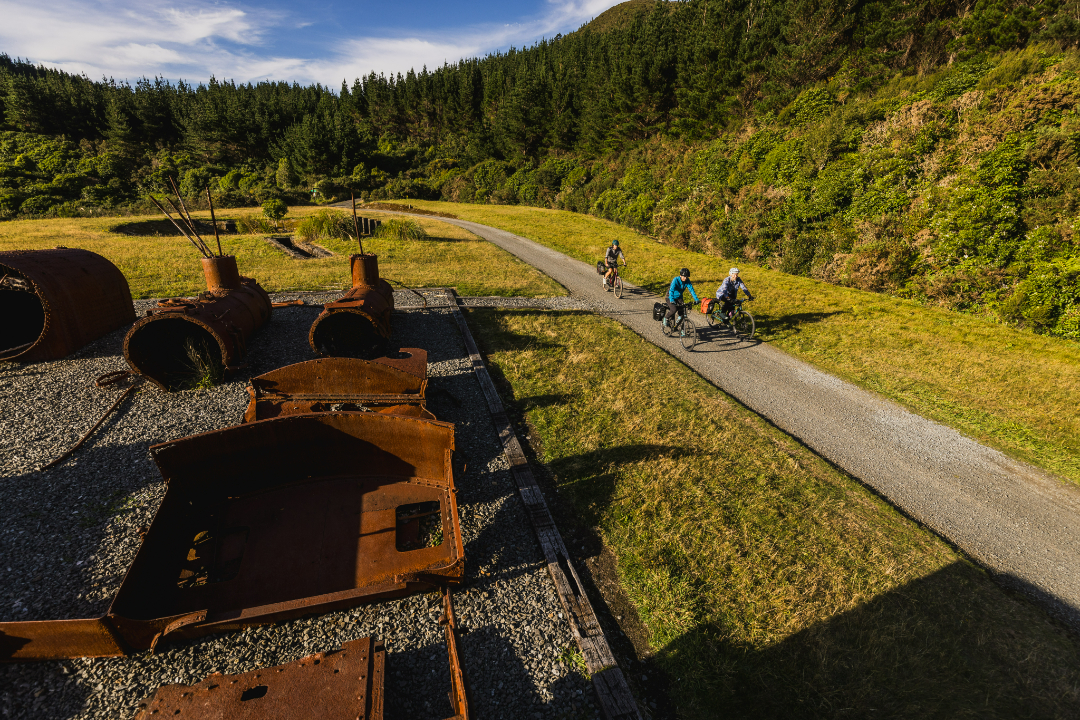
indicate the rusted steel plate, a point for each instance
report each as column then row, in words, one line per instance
column 183, row 340
column 281, row 518
column 393, row 384
column 458, row 698
column 345, row 684
column 54, row 302
column 357, row 325
column 34, row 640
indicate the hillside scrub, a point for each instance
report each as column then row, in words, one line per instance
column 926, row 150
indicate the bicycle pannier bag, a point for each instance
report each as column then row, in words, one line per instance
column 707, row 305
column 600, row 269
column 658, row 311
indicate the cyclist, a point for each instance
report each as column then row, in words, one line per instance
column 611, row 259
column 729, row 290
column 679, row 285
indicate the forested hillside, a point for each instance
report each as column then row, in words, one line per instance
column 926, row 149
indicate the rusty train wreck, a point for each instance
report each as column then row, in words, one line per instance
column 56, row 301
column 273, row 520
column 357, row 325
column 182, row 340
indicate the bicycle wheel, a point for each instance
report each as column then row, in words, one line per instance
column 743, row 324
column 618, row 286
column 670, row 327
column 688, row 334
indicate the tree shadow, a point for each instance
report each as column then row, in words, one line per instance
column 778, row 327
column 951, row 644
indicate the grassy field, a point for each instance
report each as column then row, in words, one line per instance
column 1007, row 388
column 770, row 584
column 167, row 265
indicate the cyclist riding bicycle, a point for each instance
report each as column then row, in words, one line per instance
column 611, row 259
column 729, row 290
column 678, row 286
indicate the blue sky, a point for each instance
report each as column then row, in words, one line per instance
column 310, row 41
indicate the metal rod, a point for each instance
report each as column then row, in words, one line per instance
column 213, row 220
column 355, row 222
column 190, row 222
column 90, row 432
column 182, row 231
column 202, row 247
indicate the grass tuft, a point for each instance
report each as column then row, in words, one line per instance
column 203, row 368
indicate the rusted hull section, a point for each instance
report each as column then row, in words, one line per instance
column 182, row 343
column 54, row 302
column 393, row 384
column 278, row 519
column 357, row 325
column 345, row 684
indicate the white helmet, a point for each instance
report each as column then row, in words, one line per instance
column 733, row 271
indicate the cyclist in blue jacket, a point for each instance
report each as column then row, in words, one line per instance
column 679, row 285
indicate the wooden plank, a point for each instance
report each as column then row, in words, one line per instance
column 612, row 690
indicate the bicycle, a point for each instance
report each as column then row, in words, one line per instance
column 682, row 326
column 741, row 323
column 616, row 282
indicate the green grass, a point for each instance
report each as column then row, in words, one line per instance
column 167, row 265
column 1010, row 389
column 771, row 584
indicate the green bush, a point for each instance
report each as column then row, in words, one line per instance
column 401, row 230
column 326, row 224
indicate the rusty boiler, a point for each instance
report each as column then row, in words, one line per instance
column 56, row 301
column 184, row 342
column 357, row 325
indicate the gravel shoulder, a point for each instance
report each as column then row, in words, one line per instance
column 67, row 536
column 1018, row 521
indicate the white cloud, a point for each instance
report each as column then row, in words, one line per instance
column 127, row 40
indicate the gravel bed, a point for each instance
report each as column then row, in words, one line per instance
column 67, row 536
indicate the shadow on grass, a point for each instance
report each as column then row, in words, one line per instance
column 773, row 327
column 949, row 645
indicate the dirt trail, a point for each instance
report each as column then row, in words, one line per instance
column 1021, row 523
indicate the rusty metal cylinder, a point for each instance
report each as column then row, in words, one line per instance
column 54, row 302
column 221, row 273
column 357, row 325
column 185, row 343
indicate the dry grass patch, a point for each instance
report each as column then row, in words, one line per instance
column 1008, row 388
column 166, row 265
column 771, row 584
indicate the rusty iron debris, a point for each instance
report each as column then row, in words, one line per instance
column 273, row 520
column 56, row 301
column 184, row 340
column 344, row 684
column 357, row 325
column 458, row 697
column 391, row 384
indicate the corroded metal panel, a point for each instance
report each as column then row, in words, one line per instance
column 345, row 684
column 394, row 384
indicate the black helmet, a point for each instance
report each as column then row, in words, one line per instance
column 685, row 272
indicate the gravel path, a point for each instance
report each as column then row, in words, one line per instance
column 1018, row 521
column 67, row 536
